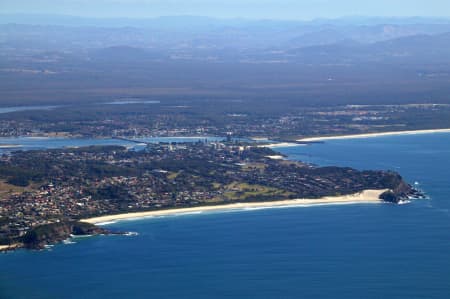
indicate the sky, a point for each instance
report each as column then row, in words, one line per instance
column 252, row 9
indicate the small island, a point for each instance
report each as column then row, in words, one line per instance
column 48, row 196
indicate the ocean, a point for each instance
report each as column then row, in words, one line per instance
column 338, row 251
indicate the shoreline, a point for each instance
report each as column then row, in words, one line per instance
column 370, row 135
column 9, row 247
column 281, row 144
column 366, row 196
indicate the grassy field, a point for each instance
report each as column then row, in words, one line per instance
column 244, row 191
column 8, row 189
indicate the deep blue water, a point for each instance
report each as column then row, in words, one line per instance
column 351, row 251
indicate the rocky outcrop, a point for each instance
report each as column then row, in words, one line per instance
column 40, row 236
column 400, row 191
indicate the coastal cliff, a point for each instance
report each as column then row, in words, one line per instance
column 399, row 190
column 47, row 234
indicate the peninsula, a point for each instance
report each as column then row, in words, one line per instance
column 49, row 195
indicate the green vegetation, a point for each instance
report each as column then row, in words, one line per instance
column 71, row 184
column 237, row 191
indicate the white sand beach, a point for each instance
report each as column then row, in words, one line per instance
column 281, row 144
column 369, row 135
column 10, row 145
column 275, row 157
column 367, row 196
column 9, row 247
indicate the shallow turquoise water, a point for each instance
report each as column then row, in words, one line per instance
column 351, row 251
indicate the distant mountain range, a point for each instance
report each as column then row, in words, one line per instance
column 206, row 35
column 200, row 21
column 401, row 59
column 416, row 48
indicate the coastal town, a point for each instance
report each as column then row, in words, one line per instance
column 46, row 187
column 197, row 118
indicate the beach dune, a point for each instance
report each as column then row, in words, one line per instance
column 366, row 196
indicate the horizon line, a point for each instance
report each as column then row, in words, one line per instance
column 313, row 19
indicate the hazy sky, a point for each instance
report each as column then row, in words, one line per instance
column 274, row 9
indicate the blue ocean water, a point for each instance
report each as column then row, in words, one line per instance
column 348, row 251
